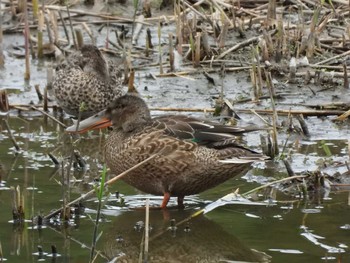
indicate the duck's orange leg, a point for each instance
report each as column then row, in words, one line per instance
column 165, row 200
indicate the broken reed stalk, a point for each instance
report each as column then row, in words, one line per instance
column 274, row 120
column 160, row 48
column 171, row 53
column 310, row 46
column 12, row 138
column 131, row 82
column 38, row 92
column 26, row 42
column 54, row 159
column 54, row 27
column 4, row 103
column 107, row 34
column 35, row 7
column 343, row 116
column 18, row 206
column 136, row 3
column 1, row 253
column 2, row 57
column 40, row 34
column 256, row 75
column 303, row 125
column 222, row 77
column 89, row 32
column 148, row 41
column 223, row 35
column 288, row 168
column 149, row 38
column 79, row 36
column 64, row 25
column 178, row 25
column 48, row 28
column 292, row 70
column 346, row 79
column 65, row 215
column 205, row 43
column 45, row 106
column 271, row 13
column 145, row 258
column 138, row 28
column 99, row 194
column 110, row 181
column 71, row 27
column 197, row 55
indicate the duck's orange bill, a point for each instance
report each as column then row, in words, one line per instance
column 98, row 121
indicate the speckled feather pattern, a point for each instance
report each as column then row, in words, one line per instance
column 76, row 82
column 183, row 166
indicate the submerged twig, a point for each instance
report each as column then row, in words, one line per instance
column 11, row 136
column 50, row 116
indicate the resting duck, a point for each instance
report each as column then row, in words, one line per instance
column 87, row 82
column 192, row 155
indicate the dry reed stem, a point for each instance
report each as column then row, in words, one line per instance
column 197, row 54
column 160, row 48
column 26, row 43
column 243, row 44
column 138, row 27
column 271, row 13
column 2, row 58
column 146, row 231
column 330, row 112
column 4, row 103
column 171, row 53
column 45, row 106
column 64, row 26
column 89, row 32
column 71, row 27
column 38, row 92
column 343, row 116
column 131, row 82
column 40, row 51
column 79, row 37
column 346, row 78
column 303, row 125
column 274, row 120
column 178, row 25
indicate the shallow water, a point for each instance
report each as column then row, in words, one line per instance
column 284, row 231
column 295, row 229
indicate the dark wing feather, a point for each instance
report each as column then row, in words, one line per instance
column 203, row 132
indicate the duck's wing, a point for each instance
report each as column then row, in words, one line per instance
column 204, row 132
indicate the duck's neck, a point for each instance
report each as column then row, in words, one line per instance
column 134, row 125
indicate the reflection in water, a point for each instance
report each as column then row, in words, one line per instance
column 198, row 240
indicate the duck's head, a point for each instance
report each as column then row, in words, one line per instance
column 94, row 62
column 126, row 112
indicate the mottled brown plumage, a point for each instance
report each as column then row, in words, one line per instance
column 87, row 77
column 192, row 155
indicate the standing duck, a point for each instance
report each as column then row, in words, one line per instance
column 192, row 155
column 87, row 80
